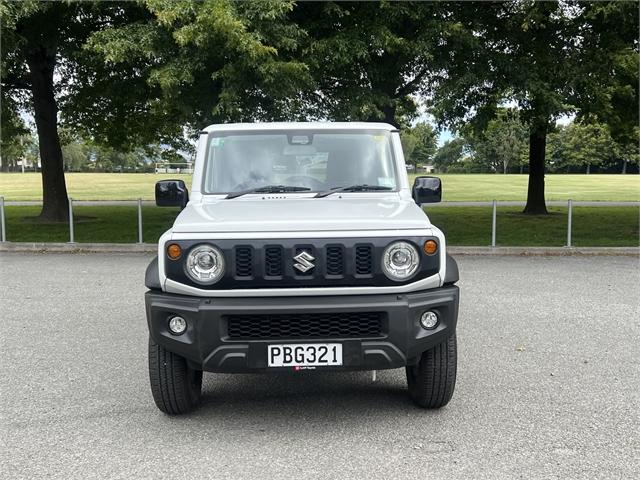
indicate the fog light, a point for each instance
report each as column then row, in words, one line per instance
column 429, row 320
column 177, row 325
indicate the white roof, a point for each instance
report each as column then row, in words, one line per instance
column 300, row 126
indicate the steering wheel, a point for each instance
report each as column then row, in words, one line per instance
column 304, row 181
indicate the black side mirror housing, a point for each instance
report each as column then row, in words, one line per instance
column 427, row 190
column 171, row 193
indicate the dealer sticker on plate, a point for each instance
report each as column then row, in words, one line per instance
column 305, row 355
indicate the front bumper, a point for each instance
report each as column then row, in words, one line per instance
column 207, row 345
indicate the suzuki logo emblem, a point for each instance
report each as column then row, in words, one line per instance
column 304, row 261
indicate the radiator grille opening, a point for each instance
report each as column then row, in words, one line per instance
column 335, row 260
column 364, row 261
column 273, row 261
column 307, row 325
column 244, row 261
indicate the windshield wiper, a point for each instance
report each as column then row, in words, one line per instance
column 268, row 189
column 353, row 188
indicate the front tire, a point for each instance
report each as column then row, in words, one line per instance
column 176, row 388
column 432, row 380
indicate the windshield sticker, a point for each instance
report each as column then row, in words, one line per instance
column 386, row 182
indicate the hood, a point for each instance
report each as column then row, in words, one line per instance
column 285, row 214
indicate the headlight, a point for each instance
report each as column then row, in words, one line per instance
column 205, row 264
column 400, row 261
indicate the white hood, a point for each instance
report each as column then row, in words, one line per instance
column 282, row 213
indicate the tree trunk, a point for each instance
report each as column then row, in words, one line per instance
column 624, row 167
column 390, row 115
column 535, row 193
column 55, row 205
column 521, row 169
column 588, row 168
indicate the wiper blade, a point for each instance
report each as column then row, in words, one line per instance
column 268, row 189
column 353, row 188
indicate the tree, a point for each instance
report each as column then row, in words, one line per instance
column 419, row 144
column 131, row 73
column 582, row 146
column 449, row 154
column 202, row 62
column 370, row 60
column 548, row 58
column 502, row 143
column 40, row 39
column 12, row 135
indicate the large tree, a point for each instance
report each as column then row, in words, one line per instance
column 371, row 60
column 43, row 47
column 548, row 58
column 131, row 73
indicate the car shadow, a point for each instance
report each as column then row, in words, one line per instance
column 304, row 397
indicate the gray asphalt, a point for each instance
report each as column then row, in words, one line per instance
column 548, row 385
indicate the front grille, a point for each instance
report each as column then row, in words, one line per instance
column 307, row 325
column 364, row 261
column 273, row 261
column 335, row 260
column 244, row 261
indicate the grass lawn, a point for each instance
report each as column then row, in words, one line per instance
column 87, row 186
column 592, row 226
column 456, row 187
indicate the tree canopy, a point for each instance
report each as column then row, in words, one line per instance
column 550, row 59
column 127, row 75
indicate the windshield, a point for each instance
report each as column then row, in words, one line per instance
column 319, row 160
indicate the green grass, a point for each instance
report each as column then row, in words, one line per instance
column 592, row 226
column 486, row 187
column 87, row 186
column 109, row 224
column 456, row 187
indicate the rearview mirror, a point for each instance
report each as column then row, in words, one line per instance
column 427, row 190
column 171, row 193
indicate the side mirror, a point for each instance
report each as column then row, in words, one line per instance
column 171, row 193
column 427, row 190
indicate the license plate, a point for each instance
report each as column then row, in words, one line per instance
column 305, row 355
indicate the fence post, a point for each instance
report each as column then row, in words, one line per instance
column 71, row 233
column 139, row 220
column 493, row 224
column 3, row 224
column 569, row 221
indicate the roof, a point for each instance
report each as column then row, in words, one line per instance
column 300, row 126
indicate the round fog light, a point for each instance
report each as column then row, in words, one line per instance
column 177, row 325
column 429, row 320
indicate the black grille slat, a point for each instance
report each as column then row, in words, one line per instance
column 364, row 260
column 307, row 325
column 335, row 260
column 273, row 261
column 244, row 261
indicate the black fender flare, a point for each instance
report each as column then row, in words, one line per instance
column 152, row 277
column 452, row 275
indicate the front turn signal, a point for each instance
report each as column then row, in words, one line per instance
column 174, row 251
column 430, row 247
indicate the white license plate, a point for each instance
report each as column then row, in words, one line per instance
column 305, row 355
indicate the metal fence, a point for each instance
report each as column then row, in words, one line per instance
column 493, row 204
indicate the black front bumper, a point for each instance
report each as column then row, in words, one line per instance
column 207, row 345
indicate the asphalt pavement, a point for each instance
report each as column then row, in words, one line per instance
column 548, row 385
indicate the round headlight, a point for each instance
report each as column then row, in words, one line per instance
column 205, row 264
column 400, row 261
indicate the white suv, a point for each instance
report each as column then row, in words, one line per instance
column 300, row 247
